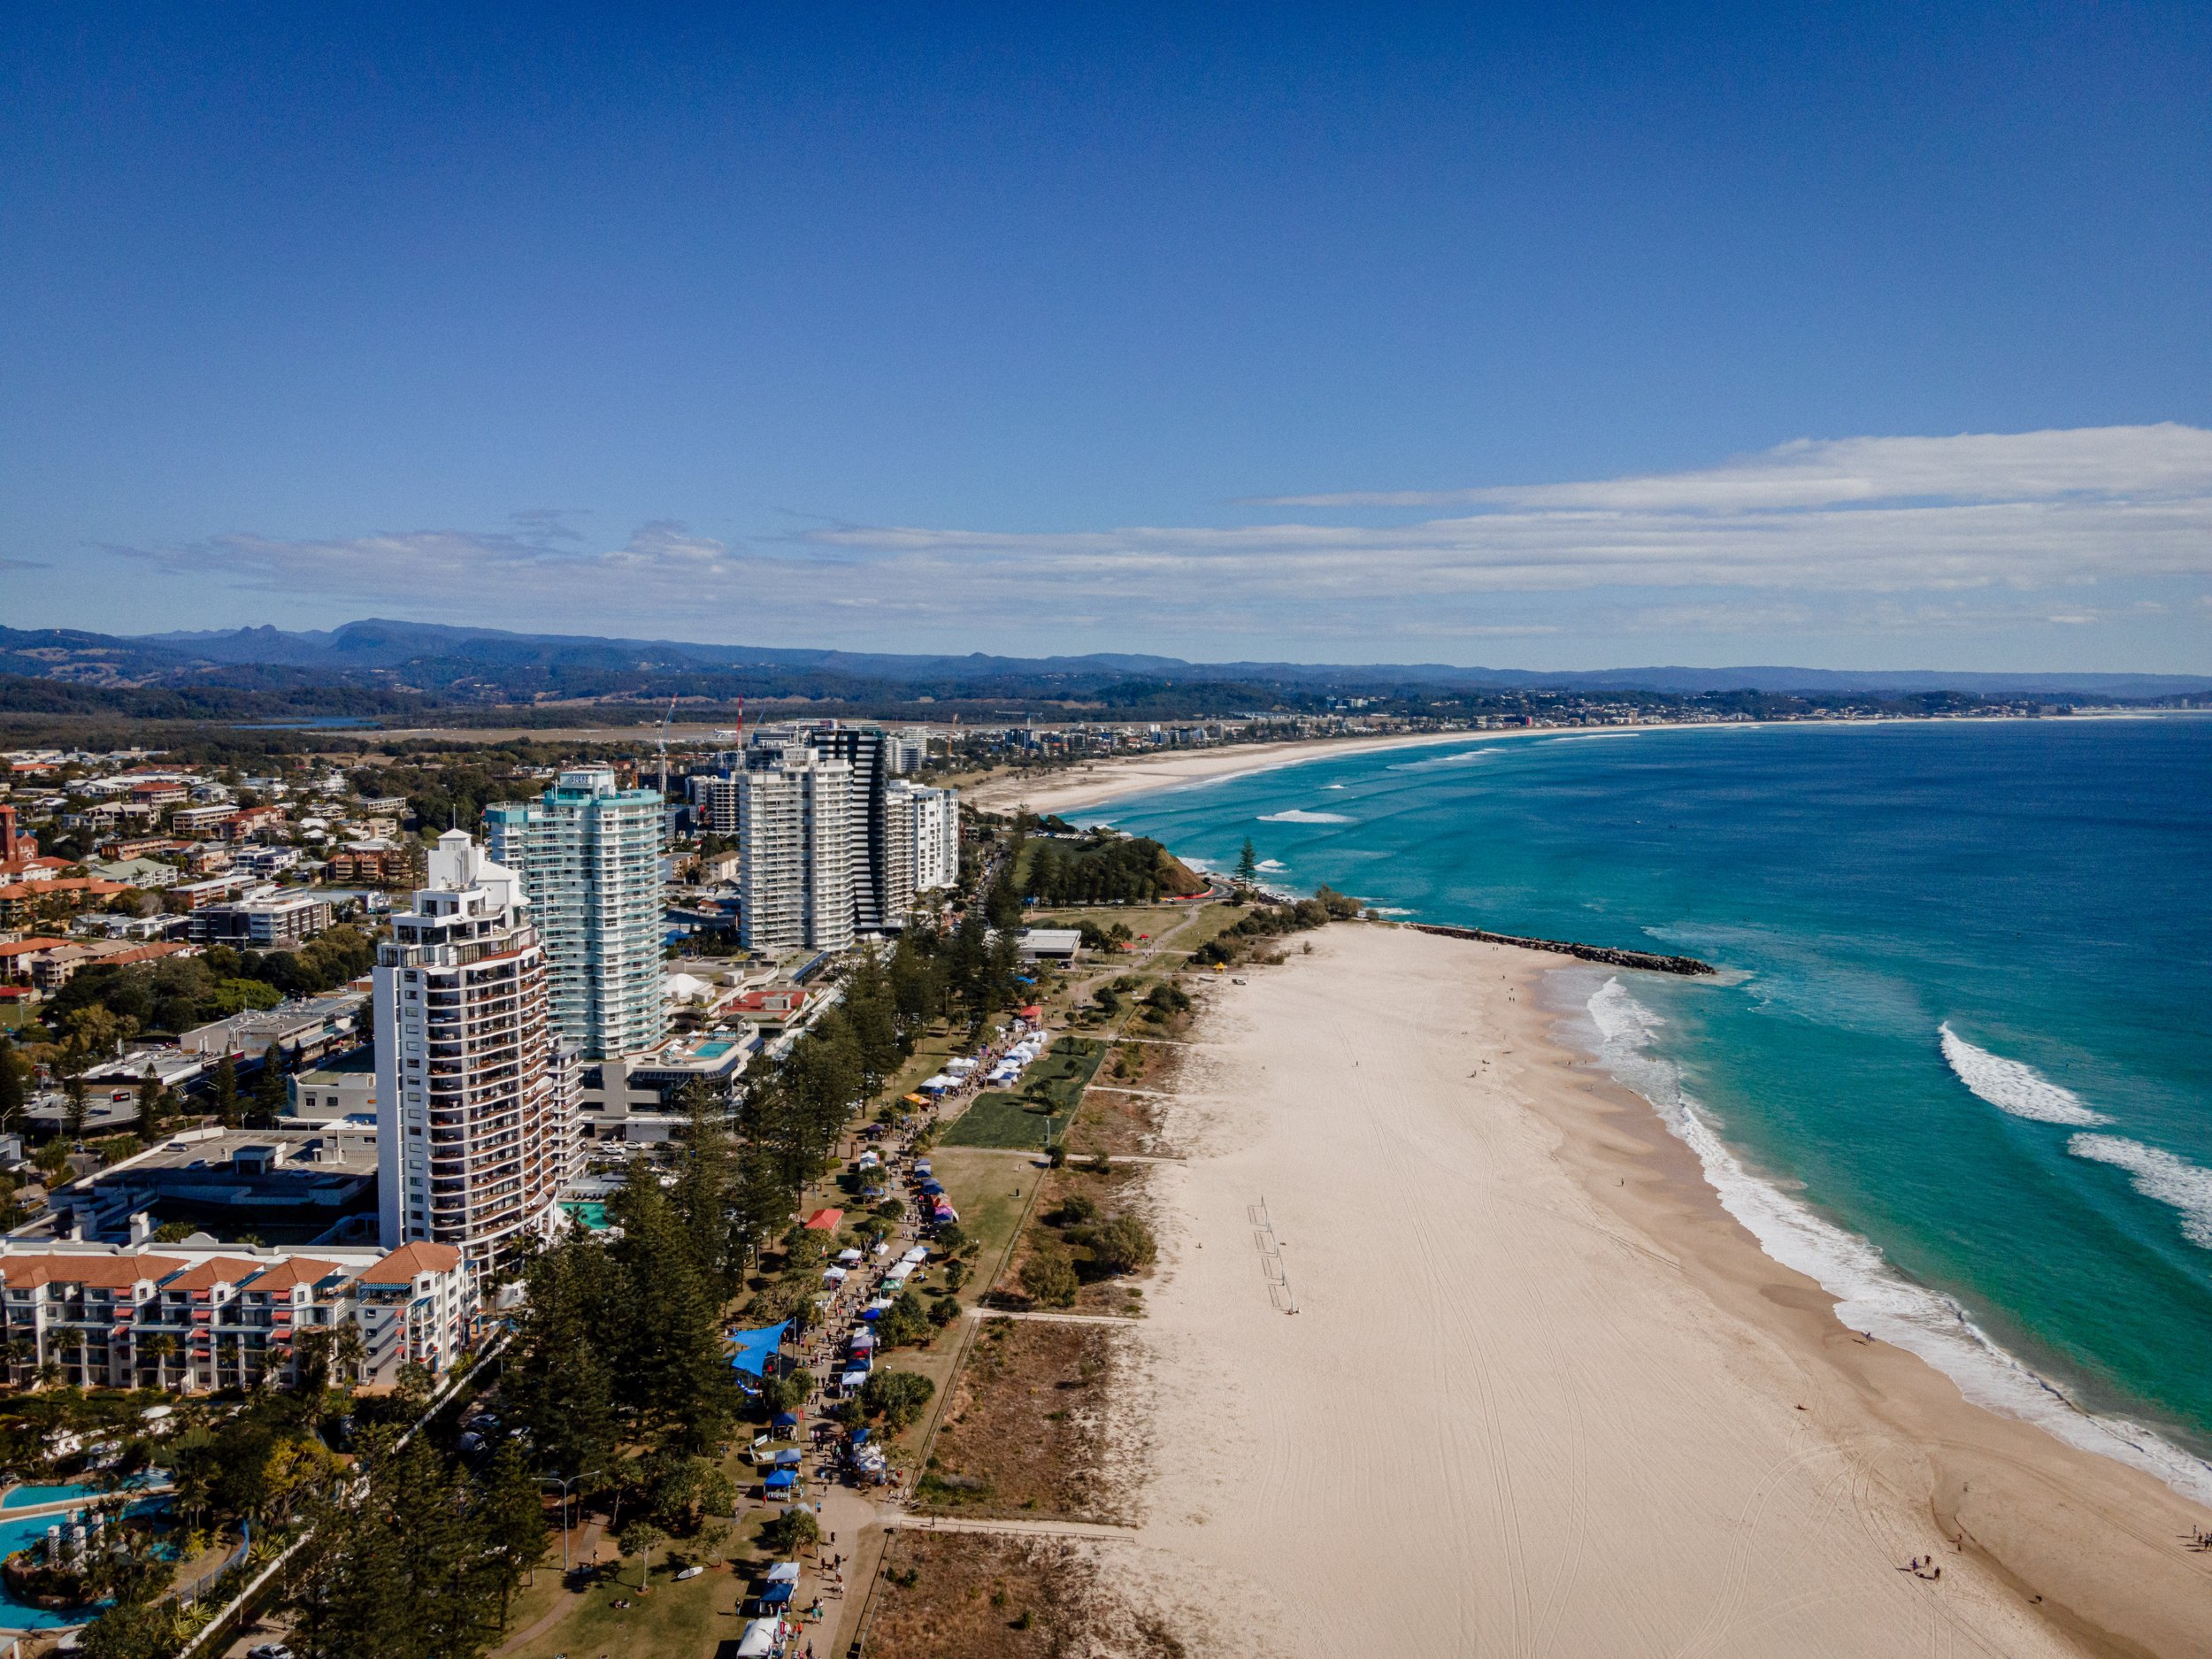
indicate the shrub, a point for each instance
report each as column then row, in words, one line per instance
column 898, row 1397
column 790, row 1532
column 1050, row 1280
column 1124, row 1245
column 904, row 1323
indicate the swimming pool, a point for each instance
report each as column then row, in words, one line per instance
column 20, row 1534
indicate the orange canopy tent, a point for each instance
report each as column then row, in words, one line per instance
column 824, row 1220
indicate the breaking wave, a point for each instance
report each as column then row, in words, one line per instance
column 1272, row 863
column 1298, row 815
column 2157, row 1175
column 1870, row 1294
column 2013, row 1087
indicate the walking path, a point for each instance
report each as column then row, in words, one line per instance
column 1045, row 1317
column 1020, row 1529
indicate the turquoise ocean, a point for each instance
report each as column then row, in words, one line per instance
column 1957, row 1065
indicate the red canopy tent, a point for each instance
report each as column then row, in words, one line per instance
column 824, row 1220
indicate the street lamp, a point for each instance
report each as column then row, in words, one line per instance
column 554, row 1480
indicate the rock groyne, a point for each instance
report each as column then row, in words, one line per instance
column 1646, row 960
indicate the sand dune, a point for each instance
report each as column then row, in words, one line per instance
column 1541, row 1396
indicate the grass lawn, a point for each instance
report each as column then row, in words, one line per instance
column 990, row 1191
column 679, row 1621
column 1000, row 1119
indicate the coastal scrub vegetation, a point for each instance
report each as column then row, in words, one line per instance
column 1268, row 919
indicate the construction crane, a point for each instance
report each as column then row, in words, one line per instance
column 665, row 718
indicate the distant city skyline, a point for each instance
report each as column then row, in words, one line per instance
column 1838, row 339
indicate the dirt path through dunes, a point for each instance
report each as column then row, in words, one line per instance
column 1541, row 1396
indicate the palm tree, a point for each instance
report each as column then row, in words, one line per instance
column 49, row 1374
column 348, row 1354
column 162, row 1345
column 68, row 1342
column 22, row 1351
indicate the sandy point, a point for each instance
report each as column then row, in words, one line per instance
column 1540, row 1394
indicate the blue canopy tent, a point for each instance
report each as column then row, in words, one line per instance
column 753, row 1349
column 787, row 1420
column 781, row 1480
column 932, row 1188
column 777, row 1594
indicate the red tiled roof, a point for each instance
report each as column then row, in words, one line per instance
column 400, row 1266
column 301, row 1270
column 219, row 1269
column 102, row 1272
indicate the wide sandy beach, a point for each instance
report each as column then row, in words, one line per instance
column 1540, row 1394
column 1075, row 788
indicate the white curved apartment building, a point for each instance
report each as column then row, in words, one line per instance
column 476, row 1106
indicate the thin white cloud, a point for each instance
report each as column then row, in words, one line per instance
column 2132, row 462
column 2034, row 510
column 2038, row 529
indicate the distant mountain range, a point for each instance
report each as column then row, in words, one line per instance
column 411, row 660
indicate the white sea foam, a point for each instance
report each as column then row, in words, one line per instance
column 1386, row 910
column 1332, row 786
column 1272, row 863
column 1461, row 759
column 2158, row 1175
column 1870, row 1294
column 1299, row 815
column 2013, row 1087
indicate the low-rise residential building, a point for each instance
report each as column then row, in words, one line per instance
column 20, row 901
column 310, row 1023
column 251, row 820
column 201, row 1315
column 200, row 820
column 136, row 872
column 189, row 896
column 384, row 862
column 343, row 1086
column 262, row 923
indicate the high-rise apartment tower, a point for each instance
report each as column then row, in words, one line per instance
column 476, row 1104
column 795, row 845
column 589, row 855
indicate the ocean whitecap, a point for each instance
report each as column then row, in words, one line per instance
column 2157, row 1174
column 1298, row 815
column 2013, row 1087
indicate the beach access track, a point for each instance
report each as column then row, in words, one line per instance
column 1649, row 961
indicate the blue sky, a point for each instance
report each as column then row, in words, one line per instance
column 1840, row 335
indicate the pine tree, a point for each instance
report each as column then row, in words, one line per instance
column 1248, row 862
column 223, row 1094
column 268, row 1086
column 11, row 1088
column 512, row 1514
column 149, row 1103
column 559, row 1382
column 673, row 1378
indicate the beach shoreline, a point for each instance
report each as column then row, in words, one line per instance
column 1098, row 782
column 1521, row 1306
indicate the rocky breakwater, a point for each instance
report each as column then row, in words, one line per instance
column 1648, row 960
